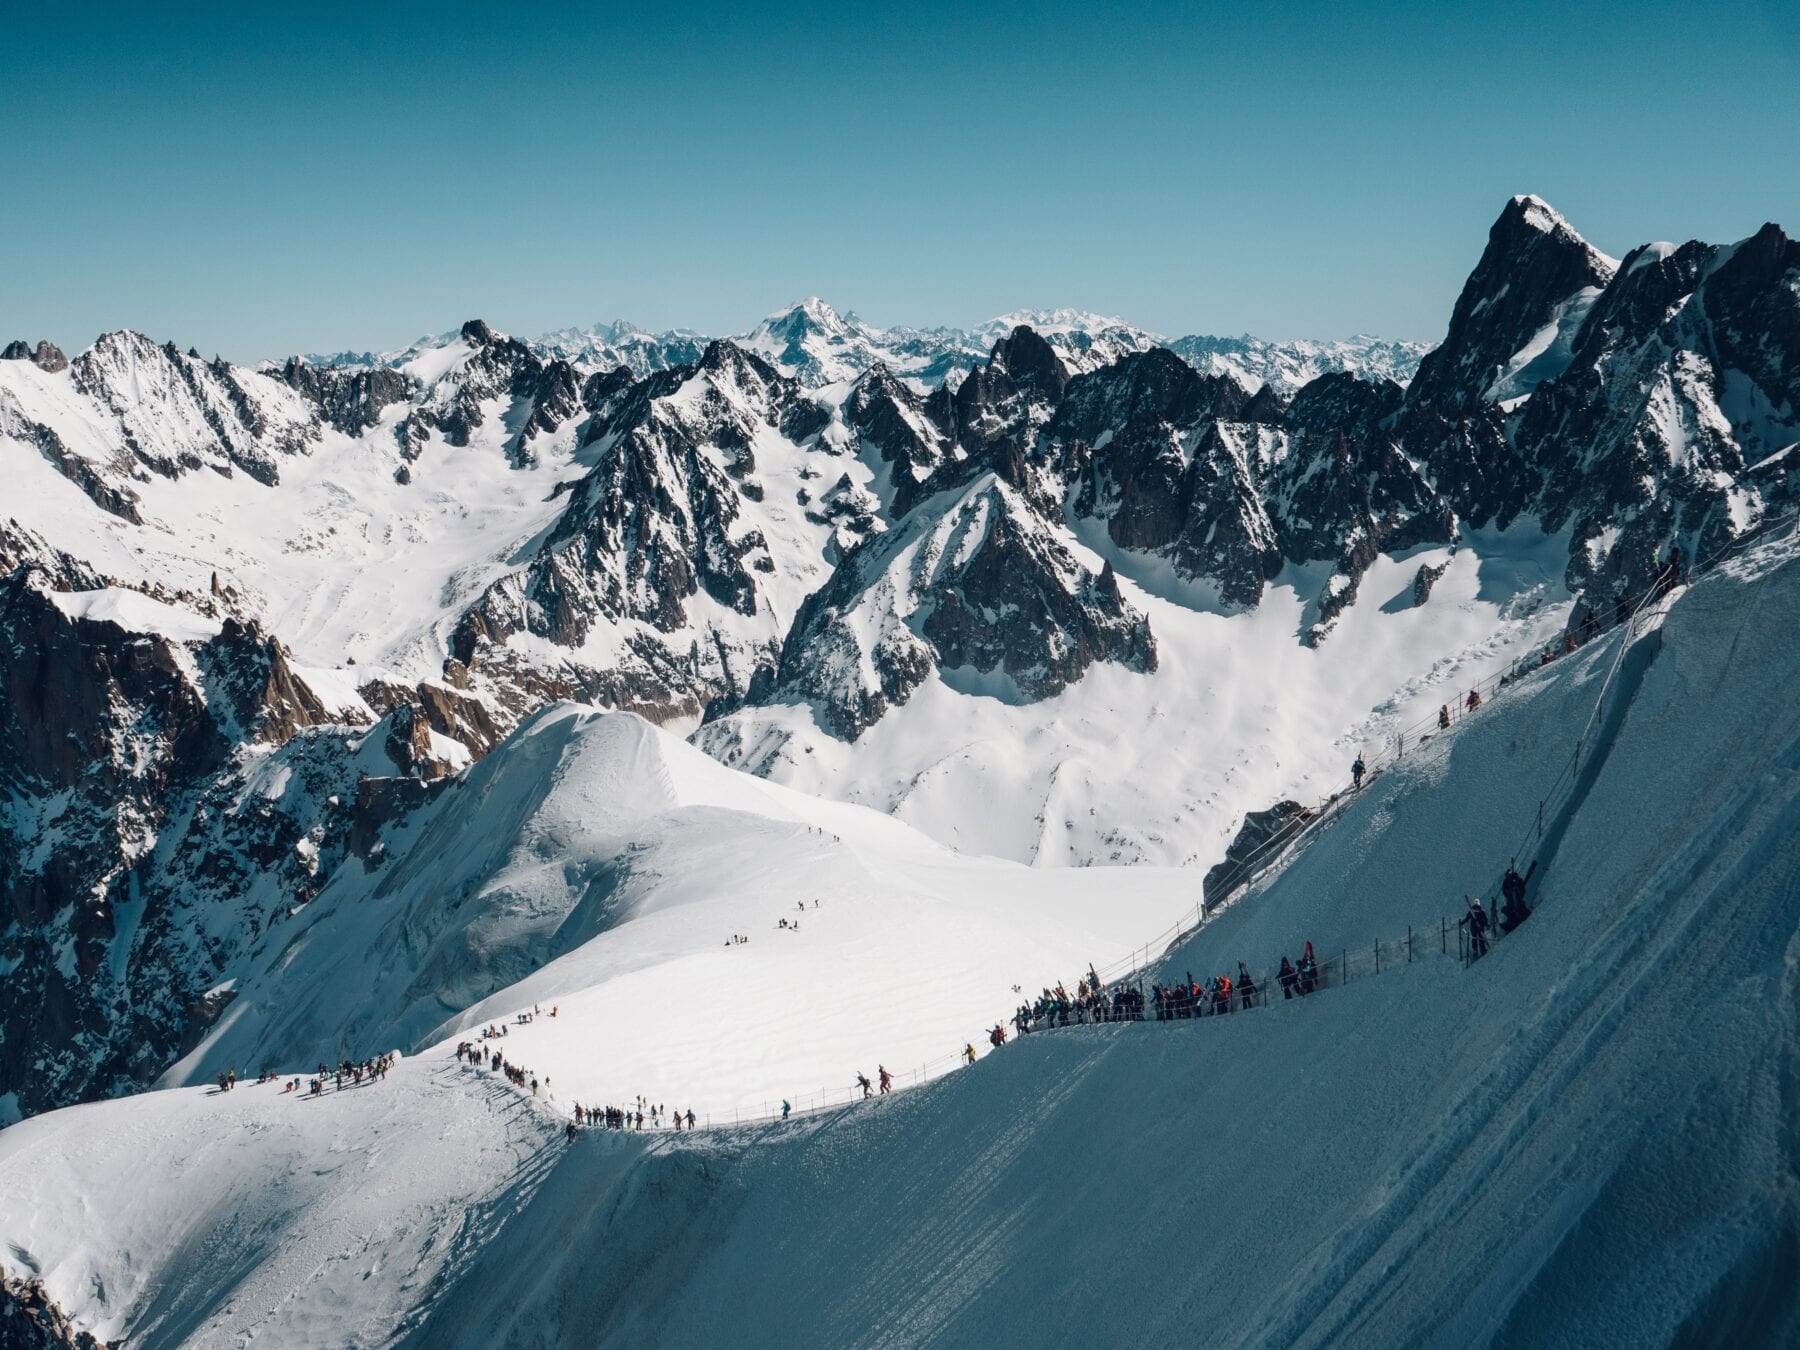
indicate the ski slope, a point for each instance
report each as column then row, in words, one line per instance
column 1592, row 1136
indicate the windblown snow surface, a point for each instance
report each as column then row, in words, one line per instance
column 1591, row 1136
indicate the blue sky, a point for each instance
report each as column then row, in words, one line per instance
column 256, row 180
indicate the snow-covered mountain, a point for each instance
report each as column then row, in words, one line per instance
column 1287, row 366
column 1060, row 609
column 814, row 344
column 1585, row 1137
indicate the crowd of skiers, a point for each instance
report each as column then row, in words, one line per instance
column 628, row 1117
column 351, row 1073
column 1091, row 1002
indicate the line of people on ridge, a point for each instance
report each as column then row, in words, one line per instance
column 600, row 1117
column 353, row 1071
column 516, row 1074
column 1091, row 1003
column 1220, row 994
column 628, row 1117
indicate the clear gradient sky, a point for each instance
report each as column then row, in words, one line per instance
column 261, row 179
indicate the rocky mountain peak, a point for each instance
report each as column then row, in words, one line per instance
column 805, row 317
column 980, row 587
column 1532, row 271
column 1032, row 364
column 477, row 332
column 47, row 356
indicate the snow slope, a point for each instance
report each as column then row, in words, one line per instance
column 1159, row 768
column 598, row 865
column 1590, row 1137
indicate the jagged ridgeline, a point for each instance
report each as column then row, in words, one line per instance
column 251, row 617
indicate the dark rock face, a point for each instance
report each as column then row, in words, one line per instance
column 1533, row 264
column 1423, row 580
column 653, row 525
column 1644, row 405
column 545, row 394
column 1010, row 613
column 885, row 416
column 1259, row 827
column 1185, row 467
column 120, row 748
column 47, row 356
column 248, row 678
column 990, row 595
column 350, row 399
column 1534, row 269
column 1672, row 397
column 1155, row 386
column 31, row 1320
column 1018, row 388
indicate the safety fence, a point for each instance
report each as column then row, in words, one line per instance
column 1450, row 936
column 1331, row 970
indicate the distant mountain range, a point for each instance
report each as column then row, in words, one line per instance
column 814, row 344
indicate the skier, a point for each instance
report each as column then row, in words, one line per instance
column 1514, row 911
column 887, row 1079
column 1286, row 978
column 862, row 1081
column 1246, row 986
column 690, row 1117
column 1443, row 717
column 1357, row 770
column 1474, row 700
column 1309, row 971
column 969, row 1052
column 785, row 1108
column 1477, row 921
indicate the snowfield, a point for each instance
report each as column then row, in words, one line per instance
column 1159, row 768
column 1591, row 1136
column 599, row 866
